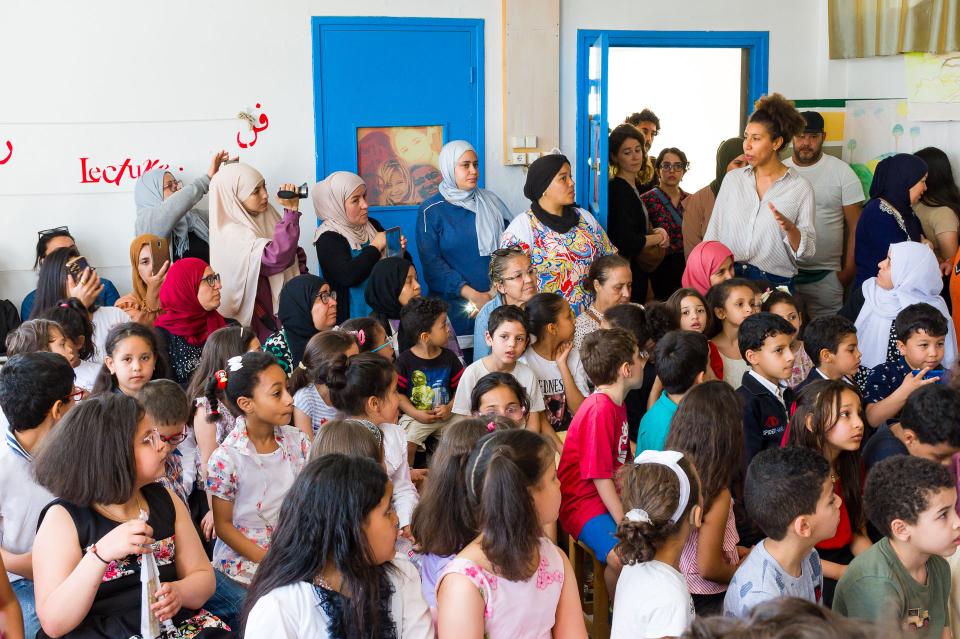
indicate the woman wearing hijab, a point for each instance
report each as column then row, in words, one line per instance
column 149, row 259
column 307, row 306
column 908, row 275
column 189, row 298
column 165, row 209
column 561, row 239
column 252, row 247
column 888, row 217
column 709, row 263
column 627, row 217
column 699, row 206
column 457, row 230
column 349, row 242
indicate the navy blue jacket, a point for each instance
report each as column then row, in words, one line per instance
column 876, row 231
column 447, row 241
column 764, row 417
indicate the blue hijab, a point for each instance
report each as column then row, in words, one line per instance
column 148, row 194
column 894, row 178
column 489, row 210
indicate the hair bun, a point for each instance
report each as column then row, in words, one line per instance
column 336, row 373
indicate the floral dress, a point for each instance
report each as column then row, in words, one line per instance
column 115, row 611
column 517, row 609
column 562, row 260
column 277, row 346
column 256, row 484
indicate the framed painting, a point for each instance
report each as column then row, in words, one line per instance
column 399, row 164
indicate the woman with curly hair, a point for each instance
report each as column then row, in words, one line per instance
column 767, row 197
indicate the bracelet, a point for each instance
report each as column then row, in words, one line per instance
column 93, row 550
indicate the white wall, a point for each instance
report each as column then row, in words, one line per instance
column 114, row 60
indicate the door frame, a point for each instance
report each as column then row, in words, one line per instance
column 318, row 24
column 756, row 42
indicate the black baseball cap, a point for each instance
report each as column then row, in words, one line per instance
column 814, row 122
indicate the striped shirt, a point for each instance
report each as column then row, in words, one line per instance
column 308, row 400
column 746, row 225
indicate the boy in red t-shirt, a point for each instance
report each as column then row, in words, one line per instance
column 597, row 445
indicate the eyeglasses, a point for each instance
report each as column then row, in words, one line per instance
column 531, row 272
column 675, row 166
column 76, row 394
column 54, row 231
column 211, row 280
column 173, row 440
column 515, row 412
column 643, row 355
column 326, row 296
column 382, row 346
column 174, row 186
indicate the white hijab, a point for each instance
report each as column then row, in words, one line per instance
column 237, row 241
column 489, row 210
column 329, row 202
column 916, row 279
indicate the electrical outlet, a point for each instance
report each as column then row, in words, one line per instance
column 518, row 158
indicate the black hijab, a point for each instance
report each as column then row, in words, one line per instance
column 384, row 286
column 539, row 176
column 295, row 311
column 894, row 178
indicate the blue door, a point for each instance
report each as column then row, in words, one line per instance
column 598, row 158
column 388, row 93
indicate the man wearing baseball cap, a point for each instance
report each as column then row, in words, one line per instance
column 822, row 278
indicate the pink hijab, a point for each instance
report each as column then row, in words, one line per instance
column 704, row 260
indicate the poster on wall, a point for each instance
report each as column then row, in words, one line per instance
column 876, row 129
column 933, row 86
column 399, row 164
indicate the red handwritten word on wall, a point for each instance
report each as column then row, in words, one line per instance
column 8, row 153
column 115, row 174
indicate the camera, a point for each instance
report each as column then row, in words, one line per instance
column 301, row 193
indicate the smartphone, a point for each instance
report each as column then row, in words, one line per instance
column 393, row 242
column 937, row 372
column 77, row 267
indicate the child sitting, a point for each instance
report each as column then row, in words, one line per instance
column 427, row 373
column 661, row 494
column 312, row 406
column 36, row 391
column 371, row 337
column 131, row 359
column 333, row 571
column 730, row 302
column 682, row 359
column 764, row 341
column 597, row 446
column 929, row 427
column 829, row 420
column 708, row 430
column 789, row 494
column 632, row 318
column 831, row 343
column 782, row 303
column 904, row 577
column 507, row 338
column 510, row 582
column 74, row 320
column 554, row 360
column 40, row 335
column 166, row 404
column 353, row 437
column 500, row 395
column 921, row 332
column 249, row 474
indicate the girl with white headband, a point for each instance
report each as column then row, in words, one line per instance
column 661, row 499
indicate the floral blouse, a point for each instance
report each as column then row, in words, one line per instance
column 256, row 484
column 562, row 260
column 277, row 346
column 666, row 216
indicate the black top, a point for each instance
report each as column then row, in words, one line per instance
column 764, row 416
column 182, row 356
column 115, row 611
column 341, row 269
column 626, row 224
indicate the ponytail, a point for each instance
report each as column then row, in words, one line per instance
column 321, row 352
column 500, row 472
column 353, row 381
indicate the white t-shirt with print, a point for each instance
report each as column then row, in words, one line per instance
column 550, row 382
column 472, row 374
column 835, row 185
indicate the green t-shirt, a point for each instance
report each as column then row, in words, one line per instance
column 877, row 586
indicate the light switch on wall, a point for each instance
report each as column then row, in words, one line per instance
column 519, row 158
column 530, row 142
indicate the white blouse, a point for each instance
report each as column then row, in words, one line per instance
column 293, row 611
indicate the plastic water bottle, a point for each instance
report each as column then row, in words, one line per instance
column 440, row 395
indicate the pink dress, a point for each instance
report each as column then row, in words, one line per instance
column 517, row 609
